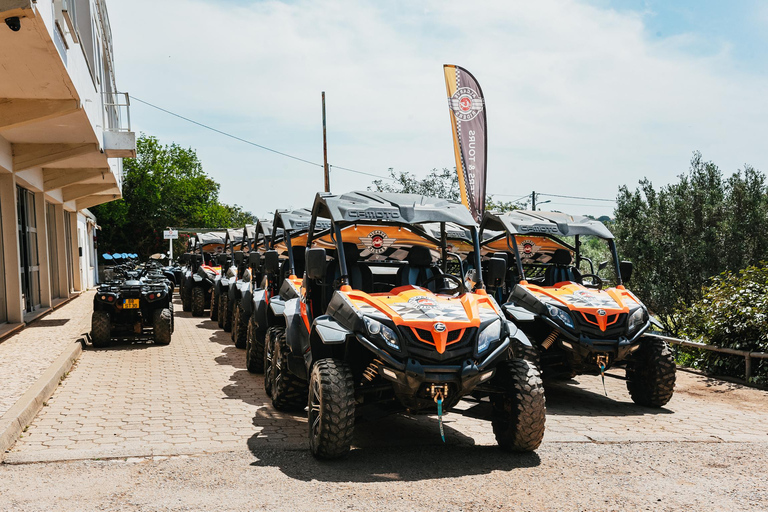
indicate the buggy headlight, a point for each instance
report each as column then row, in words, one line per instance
column 561, row 315
column 636, row 319
column 488, row 335
column 381, row 332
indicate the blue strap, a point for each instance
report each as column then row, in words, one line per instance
column 440, row 417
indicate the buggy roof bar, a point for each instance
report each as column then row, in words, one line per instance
column 249, row 231
column 295, row 221
column 367, row 206
column 234, row 235
column 523, row 222
column 210, row 237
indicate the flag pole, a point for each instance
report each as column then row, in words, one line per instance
column 325, row 153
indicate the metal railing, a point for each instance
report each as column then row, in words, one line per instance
column 747, row 355
column 117, row 112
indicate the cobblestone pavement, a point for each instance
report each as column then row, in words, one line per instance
column 26, row 355
column 195, row 396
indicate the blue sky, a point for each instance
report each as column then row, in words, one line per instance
column 582, row 96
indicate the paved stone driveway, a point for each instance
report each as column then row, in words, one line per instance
column 25, row 356
column 195, row 396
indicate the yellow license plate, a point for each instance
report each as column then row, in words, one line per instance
column 131, row 304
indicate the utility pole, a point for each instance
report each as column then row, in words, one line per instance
column 325, row 152
column 533, row 201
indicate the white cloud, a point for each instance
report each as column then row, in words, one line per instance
column 579, row 100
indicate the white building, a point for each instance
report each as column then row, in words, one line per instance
column 63, row 129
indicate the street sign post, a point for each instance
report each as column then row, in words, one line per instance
column 170, row 234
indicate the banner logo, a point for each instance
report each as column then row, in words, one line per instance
column 466, row 104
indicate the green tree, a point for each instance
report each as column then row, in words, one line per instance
column 681, row 235
column 163, row 186
column 442, row 183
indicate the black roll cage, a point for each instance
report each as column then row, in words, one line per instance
column 336, row 228
column 577, row 249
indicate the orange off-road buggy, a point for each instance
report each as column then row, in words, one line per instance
column 379, row 323
column 577, row 324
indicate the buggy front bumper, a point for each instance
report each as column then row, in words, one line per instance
column 409, row 377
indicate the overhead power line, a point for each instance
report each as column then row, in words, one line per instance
column 577, row 197
column 207, row 127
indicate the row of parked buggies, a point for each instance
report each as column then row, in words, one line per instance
column 374, row 303
column 135, row 301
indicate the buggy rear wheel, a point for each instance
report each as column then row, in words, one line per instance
column 162, row 320
column 269, row 366
column 214, row 305
column 239, row 327
column 289, row 393
column 226, row 322
column 254, row 349
column 651, row 374
column 519, row 413
column 331, row 405
column 222, row 308
column 101, row 328
column 198, row 301
column 186, row 296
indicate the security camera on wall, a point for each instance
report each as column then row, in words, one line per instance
column 14, row 23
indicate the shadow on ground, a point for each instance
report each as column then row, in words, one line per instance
column 564, row 397
column 385, row 463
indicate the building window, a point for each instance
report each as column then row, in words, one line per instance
column 53, row 250
column 3, row 301
column 30, row 264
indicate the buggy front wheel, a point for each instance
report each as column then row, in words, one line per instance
column 331, row 409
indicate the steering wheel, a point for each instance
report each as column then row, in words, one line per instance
column 597, row 281
column 460, row 288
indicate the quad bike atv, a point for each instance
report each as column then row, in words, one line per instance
column 132, row 306
column 282, row 264
column 380, row 327
column 577, row 325
column 202, row 271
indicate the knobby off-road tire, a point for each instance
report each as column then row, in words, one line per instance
column 226, row 322
column 519, row 412
column 198, row 301
column 651, row 374
column 162, row 320
column 214, row 305
column 239, row 327
column 186, row 297
column 222, row 308
column 289, row 393
column 331, row 404
column 269, row 367
column 254, row 349
column 101, row 328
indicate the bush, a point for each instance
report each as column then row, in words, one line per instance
column 732, row 313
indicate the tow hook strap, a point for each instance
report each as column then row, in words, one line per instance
column 439, row 401
column 602, row 374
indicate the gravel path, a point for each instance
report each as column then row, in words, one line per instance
column 560, row 477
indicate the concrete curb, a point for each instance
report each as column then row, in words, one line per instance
column 16, row 419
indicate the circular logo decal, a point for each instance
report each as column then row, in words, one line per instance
column 422, row 302
column 601, row 312
column 527, row 249
column 466, row 104
column 439, row 327
column 377, row 241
